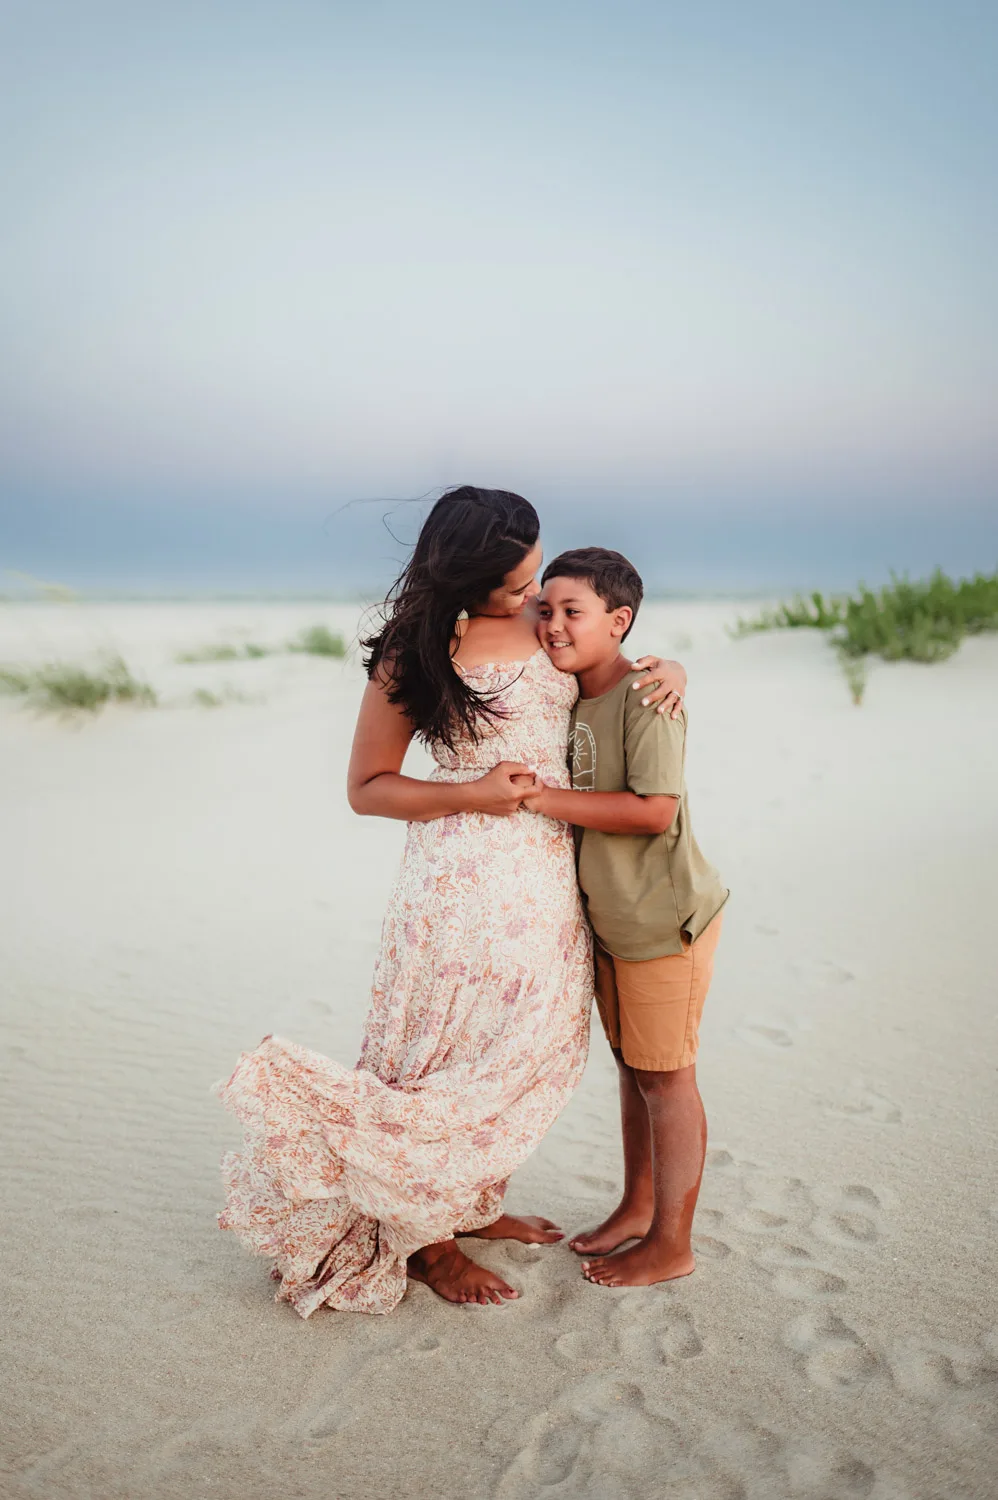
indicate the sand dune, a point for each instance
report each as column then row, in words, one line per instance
column 177, row 882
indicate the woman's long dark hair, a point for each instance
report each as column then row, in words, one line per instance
column 469, row 542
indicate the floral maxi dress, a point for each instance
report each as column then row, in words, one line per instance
column 476, row 1036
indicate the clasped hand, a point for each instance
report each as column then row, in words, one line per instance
column 507, row 788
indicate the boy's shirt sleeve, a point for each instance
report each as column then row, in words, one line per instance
column 653, row 752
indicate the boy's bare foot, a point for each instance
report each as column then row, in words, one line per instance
column 449, row 1273
column 527, row 1228
column 641, row 1265
column 625, row 1223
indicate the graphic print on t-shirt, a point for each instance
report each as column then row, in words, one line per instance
column 582, row 749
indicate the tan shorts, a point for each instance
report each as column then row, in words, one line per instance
column 651, row 1010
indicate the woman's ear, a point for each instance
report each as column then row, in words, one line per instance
column 622, row 618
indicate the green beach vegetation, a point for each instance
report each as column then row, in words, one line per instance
column 923, row 620
column 855, row 671
column 812, row 613
column 68, row 687
column 222, row 652
column 64, row 687
column 206, row 698
column 319, row 640
column 314, row 640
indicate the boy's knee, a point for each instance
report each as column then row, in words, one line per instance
column 655, row 1083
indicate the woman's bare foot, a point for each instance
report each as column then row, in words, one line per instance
column 641, row 1265
column 627, row 1222
column 527, row 1228
column 449, row 1273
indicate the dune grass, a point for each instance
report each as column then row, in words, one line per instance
column 921, row 621
column 319, row 640
column 65, row 687
column 314, row 640
column 924, row 620
column 855, row 672
column 217, row 698
column 813, row 613
column 14, row 680
column 223, row 652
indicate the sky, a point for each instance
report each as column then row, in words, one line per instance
column 713, row 284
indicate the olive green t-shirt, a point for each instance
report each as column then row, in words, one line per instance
column 644, row 892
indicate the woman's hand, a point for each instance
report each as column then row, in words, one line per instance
column 665, row 681
column 501, row 791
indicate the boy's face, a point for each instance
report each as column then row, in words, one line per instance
column 577, row 631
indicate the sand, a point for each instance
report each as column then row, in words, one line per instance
column 177, row 882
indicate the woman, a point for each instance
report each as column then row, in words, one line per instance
column 479, row 1018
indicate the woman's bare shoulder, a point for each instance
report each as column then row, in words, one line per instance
column 484, row 640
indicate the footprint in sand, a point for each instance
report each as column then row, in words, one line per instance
column 816, row 1469
column 808, row 1282
column 959, row 1383
column 596, row 1439
column 834, row 1355
column 763, row 1033
column 771, row 1205
column 744, row 1206
column 597, row 1184
column 634, row 1331
column 795, row 1275
column 331, row 1407
column 554, row 1454
column 821, row 973
column 677, row 1338
column 524, row 1255
column 741, row 1459
column 866, row 1106
column 852, row 1219
column 707, row 1247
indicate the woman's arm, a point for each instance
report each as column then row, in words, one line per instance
column 376, row 788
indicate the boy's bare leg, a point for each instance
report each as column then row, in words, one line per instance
column 679, row 1145
column 632, row 1217
column 449, row 1272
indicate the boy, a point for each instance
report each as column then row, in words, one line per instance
column 654, row 903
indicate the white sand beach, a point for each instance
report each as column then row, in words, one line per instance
column 179, row 881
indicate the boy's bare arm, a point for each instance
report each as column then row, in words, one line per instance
column 607, row 812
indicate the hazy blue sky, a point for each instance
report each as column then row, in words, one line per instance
column 714, row 281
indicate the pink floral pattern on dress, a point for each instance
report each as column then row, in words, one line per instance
column 476, row 1036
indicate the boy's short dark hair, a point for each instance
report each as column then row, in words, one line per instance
column 607, row 573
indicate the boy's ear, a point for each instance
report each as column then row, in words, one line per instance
column 622, row 618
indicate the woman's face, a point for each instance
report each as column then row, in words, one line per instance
column 517, row 587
